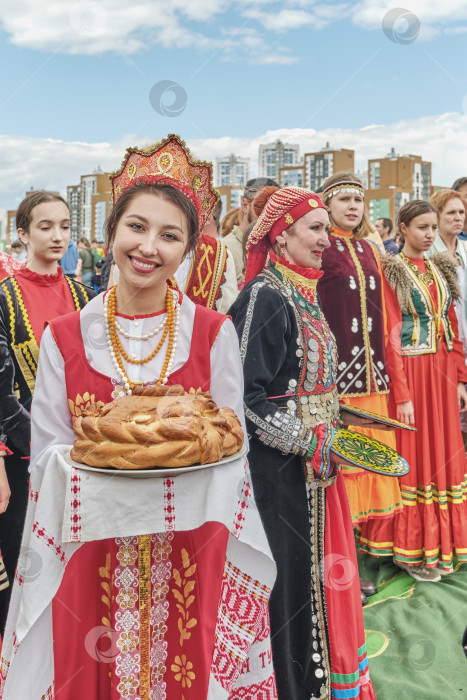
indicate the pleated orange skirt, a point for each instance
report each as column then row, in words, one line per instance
column 373, row 499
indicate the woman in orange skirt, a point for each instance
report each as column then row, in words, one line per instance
column 352, row 299
column 428, row 356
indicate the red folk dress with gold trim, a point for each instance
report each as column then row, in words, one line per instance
column 162, row 615
column 428, row 357
column 352, row 299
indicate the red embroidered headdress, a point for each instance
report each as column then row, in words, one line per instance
column 171, row 162
column 282, row 209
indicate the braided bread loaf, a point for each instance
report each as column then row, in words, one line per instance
column 156, row 426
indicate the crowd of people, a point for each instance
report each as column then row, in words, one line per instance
column 292, row 310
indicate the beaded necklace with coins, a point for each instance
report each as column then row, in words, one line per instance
column 117, row 351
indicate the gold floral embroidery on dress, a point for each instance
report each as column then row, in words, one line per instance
column 80, row 403
column 128, row 686
column 104, row 572
column 183, row 671
column 185, row 596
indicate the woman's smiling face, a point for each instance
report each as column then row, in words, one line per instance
column 150, row 241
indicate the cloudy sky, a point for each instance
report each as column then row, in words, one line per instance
column 85, row 80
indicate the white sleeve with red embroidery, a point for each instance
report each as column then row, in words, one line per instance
column 50, row 415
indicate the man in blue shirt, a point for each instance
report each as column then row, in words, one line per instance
column 70, row 259
column 384, row 228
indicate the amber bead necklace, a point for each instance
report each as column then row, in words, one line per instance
column 116, row 350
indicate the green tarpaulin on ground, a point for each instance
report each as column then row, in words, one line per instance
column 414, row 633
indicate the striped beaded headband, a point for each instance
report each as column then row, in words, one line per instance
column 344, row 186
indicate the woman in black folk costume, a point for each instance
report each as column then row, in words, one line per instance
column 291, row 405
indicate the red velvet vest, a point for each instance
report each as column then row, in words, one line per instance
column 350, row 293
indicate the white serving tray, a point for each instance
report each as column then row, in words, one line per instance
column 153, row 471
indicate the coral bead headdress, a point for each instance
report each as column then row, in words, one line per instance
column 169, row 161
column 282, row 209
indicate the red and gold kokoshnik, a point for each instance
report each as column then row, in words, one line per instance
column 171, row 160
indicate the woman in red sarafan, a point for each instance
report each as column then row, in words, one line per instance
column 427, row 355
column 154, row 586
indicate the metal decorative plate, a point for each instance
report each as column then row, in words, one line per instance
column 369, row 454
column 154, row 471
column 376, row 417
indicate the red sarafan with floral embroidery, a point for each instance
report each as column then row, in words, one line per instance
column 143, row 581
column 158, row 615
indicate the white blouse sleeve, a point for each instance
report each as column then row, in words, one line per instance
column 227, row 371
column 229, row 289
column 50, row 415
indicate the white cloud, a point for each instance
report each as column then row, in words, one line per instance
column 281, row 21
column 96, row 26
column 369, row 13
column 89, row 27
column 317, row 17
column 456, row 30
column 53, row 164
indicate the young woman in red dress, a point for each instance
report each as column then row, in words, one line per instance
column 153, row 587
column 432, row 528
column 29, row 298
